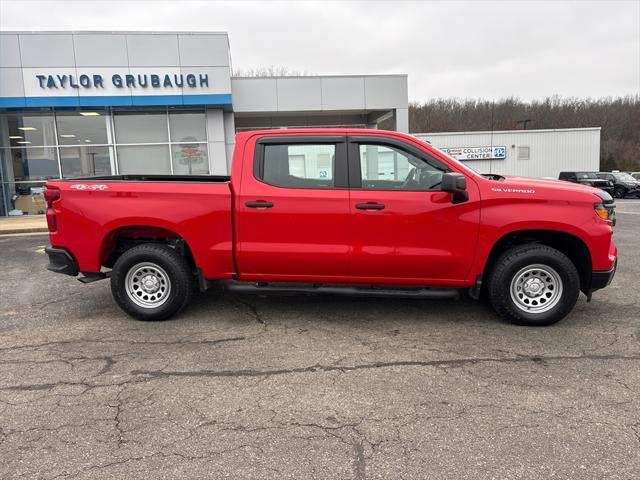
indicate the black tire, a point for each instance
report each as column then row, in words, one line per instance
column 165, row 268
column 555, row 275
column 619, row 192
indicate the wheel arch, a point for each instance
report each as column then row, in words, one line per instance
column 120, row 239
column 571, row 245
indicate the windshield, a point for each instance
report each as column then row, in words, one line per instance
column 625, row 177
column 450, row 157
column 586, row 175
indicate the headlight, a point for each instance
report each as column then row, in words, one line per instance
column 601, row 211
column 606, row 208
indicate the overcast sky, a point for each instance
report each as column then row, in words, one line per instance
column 488, row 49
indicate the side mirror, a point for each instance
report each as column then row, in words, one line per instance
column 456, row 183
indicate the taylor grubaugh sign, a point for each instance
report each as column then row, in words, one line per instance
column 477, row 153
column 142, row 80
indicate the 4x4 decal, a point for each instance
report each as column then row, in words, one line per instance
column 82, row 186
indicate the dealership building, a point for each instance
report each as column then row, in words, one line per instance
column 99, row 103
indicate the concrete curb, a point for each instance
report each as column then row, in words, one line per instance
column 13, row 231
column 23, row 224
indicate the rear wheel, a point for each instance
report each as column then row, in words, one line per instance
column 534, row 285
column 151, row 282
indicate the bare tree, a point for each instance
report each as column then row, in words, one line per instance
column 270, row 71
column 619, row 118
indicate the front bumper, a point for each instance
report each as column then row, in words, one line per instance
column 61, row 261
column 602, row 278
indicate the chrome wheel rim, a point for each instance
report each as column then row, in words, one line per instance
column 536, row 288
column 147, row 285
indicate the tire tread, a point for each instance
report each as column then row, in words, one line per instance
column 178, row 269
column 499, row 284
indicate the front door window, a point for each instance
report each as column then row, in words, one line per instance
column 385, row 167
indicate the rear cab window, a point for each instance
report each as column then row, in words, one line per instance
column 301, row 162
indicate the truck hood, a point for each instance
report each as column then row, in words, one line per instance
column 513, row 182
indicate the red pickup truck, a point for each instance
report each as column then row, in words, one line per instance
column 338, row 211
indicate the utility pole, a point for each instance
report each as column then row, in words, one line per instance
column 493, row 106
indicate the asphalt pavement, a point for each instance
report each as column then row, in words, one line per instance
column 314, row 387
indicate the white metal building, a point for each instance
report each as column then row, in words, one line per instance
column 529, row 153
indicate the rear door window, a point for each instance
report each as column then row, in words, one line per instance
column 301, row 163
column 299, row 166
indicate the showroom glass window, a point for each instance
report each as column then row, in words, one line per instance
column 38, row 146
column 32, row 154
column 142, row 139
column 28, row 157
column 188, row 143
column 161, row 142
column 84, row 138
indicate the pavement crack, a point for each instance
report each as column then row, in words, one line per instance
column 252, row 308
column 636, row 431
column 42, row 386
column 117, row 420
column 34, row 387
column 103, row 466
column 39, row 346
column 42, row 305
column 459, row 362
column 109, row 362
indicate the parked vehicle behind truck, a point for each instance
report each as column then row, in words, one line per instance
column 624, row 184
column 336, row 211
column 590, row 179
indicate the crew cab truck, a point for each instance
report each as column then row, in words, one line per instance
column 335, row 211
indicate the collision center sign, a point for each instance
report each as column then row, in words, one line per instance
column 477, row 153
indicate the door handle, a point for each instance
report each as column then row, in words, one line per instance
column 370, row 206
column 259, row 204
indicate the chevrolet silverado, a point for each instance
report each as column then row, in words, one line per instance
column 337, row 211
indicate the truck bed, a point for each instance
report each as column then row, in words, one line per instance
column 93, row 211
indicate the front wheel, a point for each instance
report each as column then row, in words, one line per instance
column 534, row 285
column 151, row 282
column 619, row 192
